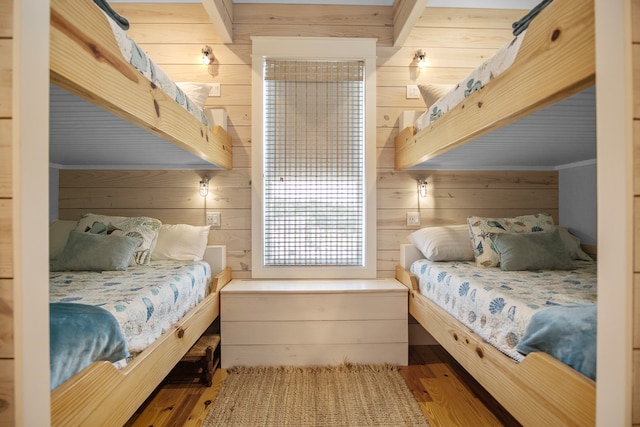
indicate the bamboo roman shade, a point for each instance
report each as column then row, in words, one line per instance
column 313, row 163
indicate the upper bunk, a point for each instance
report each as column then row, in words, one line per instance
column 86, row 60
column 555, row 60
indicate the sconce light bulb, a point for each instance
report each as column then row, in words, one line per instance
column 207, row 55
column 421, row 57
column 422, row 188
column 204, row 186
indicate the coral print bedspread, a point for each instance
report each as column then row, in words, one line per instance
column 146, row 300
column 496, row 304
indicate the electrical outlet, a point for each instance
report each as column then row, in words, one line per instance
column 215, row 89
column 413, row 92
column 213, row 219
column 413, row 219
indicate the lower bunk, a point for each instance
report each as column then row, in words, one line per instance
column 106, row 393
column 538, row 390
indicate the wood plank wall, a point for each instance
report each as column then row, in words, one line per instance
column 635, row 415
column 7, row 408
column 455, row 40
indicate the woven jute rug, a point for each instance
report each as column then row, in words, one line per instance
column 341, row 396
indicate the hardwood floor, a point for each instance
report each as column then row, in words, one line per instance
column 447, row 395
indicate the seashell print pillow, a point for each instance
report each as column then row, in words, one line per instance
column 480, row 230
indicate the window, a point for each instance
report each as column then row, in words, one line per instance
column 312, row 166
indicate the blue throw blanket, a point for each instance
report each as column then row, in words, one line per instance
column 567, row 333
column 80, row 335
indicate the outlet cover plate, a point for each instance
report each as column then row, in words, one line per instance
column 413, row 92
column 413, row 219
column 213, row 219
column 215, row 89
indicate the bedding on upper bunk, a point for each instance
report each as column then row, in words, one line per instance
column 479, row 77
column 197, row 92
column 439, row 103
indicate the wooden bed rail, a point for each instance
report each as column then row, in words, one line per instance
column 539, row 391
column 556, row 60
column 85, row 60
column 102, row 395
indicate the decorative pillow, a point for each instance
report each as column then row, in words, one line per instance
column 432, row 92
column 181, row 242
column 572, row 244
column 143, row 227
column 532, row 251
column 96, row 252
column 447, row 243
column 480, row 229
column 197, row 92
column 58, row 235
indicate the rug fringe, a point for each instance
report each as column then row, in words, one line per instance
column 345, row 366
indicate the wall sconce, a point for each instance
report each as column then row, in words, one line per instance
column 421, row 57
column 204, row 186
column 207, row 55
column 422, row 187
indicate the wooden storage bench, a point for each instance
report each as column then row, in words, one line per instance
column 313, row 322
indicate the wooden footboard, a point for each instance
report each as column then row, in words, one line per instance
column 102, row 395
column 540, row 390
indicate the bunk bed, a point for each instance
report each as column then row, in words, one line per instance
column 106, row 393
column 556, row 59
column 86, row 60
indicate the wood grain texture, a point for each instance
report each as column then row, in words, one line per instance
column 7, row 399
column 537, row 391
column 102, row 76
column 6, row 190
column 6, row 319
column 6, row 19
column 315, row 15
column 5, row 77
column 6, row 239
column 635, row 395
column 105, row 396
column 558, row 50
column 141, row 192
column 187, row 404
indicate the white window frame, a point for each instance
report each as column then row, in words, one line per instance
column 321, row 48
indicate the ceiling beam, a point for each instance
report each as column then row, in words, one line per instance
column 221, row 14
column 405, row 15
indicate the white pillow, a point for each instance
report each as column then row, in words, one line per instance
column 433, row 92
column 58, row 235
column 447, row 243
column 181, row 242
column 197, row 92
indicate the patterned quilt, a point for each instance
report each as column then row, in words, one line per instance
column 496, row 304
column 146, row 300
column 479, row 77
column 139, row 59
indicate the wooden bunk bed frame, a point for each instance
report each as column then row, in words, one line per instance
column 556, row 60
column 102, row 395
column 540, row 390
column 85, row 60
